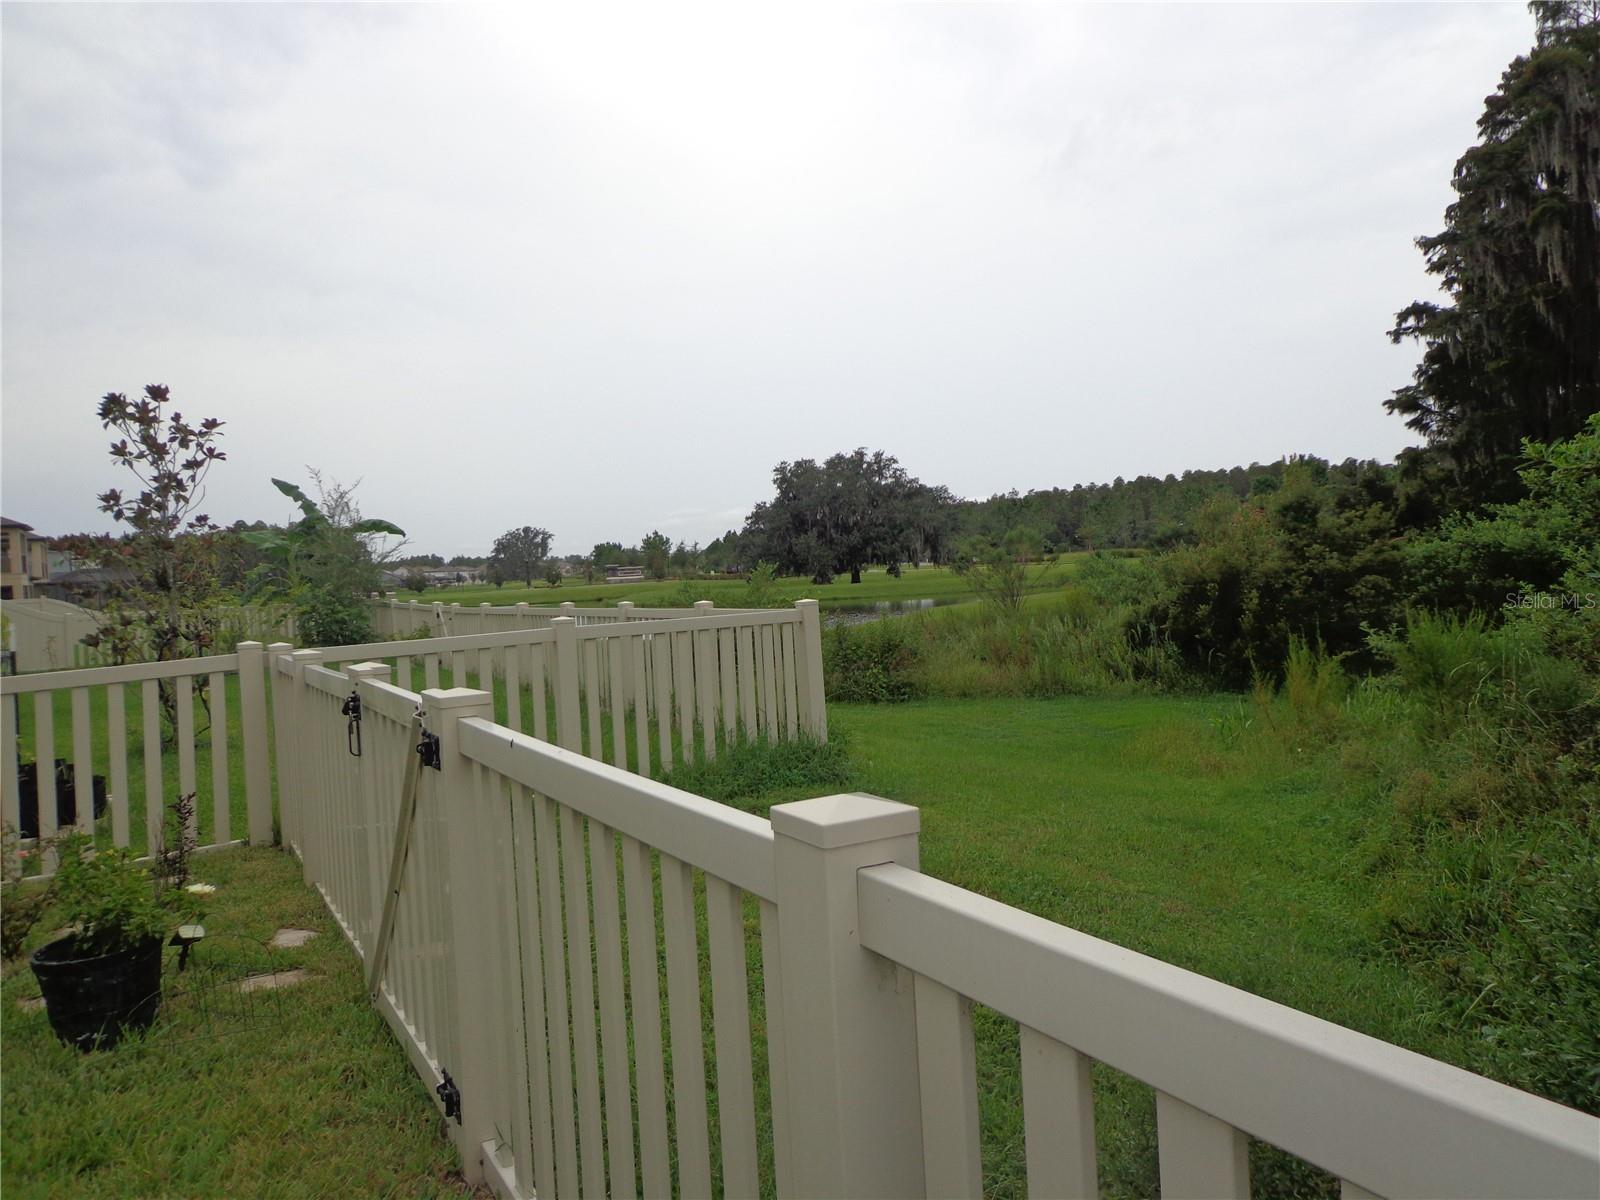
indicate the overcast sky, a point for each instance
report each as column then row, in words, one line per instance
column 600, row 268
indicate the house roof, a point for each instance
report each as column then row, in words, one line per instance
column 8, row 523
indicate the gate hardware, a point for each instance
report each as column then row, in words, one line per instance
column 352, row 709
column 450, row 1095
column 428, row 748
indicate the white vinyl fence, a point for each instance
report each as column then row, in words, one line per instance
column 618, row 988
column 139, row 736
column 47, row 635
column 402, row 618
column 642, row 694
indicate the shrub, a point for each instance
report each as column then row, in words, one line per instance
column 325, row 617
column 871, row 663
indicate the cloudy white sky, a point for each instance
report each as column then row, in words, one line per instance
column 599, row 268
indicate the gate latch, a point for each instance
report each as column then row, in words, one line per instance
column 428, row 748
column 450, row 1096
column 352, row 709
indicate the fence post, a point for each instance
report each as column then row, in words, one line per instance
column 625, row 610
column 813, row 697
column 253, row 728
column 470, row 949
column 304, row 779
column 849, row 1018
column 281, row 738
column 704, row 607
column 569, row 727
column 569, row 609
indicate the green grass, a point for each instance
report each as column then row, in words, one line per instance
column 876, row 584
column 1125, row 819
column 299, row 1092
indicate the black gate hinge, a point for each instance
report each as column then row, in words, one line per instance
column 352, row 709
column 450, row 1096
column 428, row 748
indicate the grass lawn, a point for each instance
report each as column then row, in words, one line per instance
column 1126, row 819
column 876, row 584
column 297, row 1092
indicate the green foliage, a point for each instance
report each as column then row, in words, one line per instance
column 1549, row 538
column 521, row 554
column 1315, row 560
column 162, row 607
column 112, row 903
column 851, row 510
column 20, row 908
column 998, row 571
column 761, row 770
column 323, row 564
column 761, row 589
column 656, row 550
column 871, row 663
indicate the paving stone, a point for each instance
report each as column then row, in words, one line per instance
column 288, row 939
column 274, row 979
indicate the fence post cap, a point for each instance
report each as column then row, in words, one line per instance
column 702, row 605
column 366, row 669
column 805, row 604
column 563, row 622
column 307, row 656
column 848, row 819
column 437, row 699
column 249, row 648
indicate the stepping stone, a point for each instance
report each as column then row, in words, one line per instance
column 274, row 979
column 288, row 939
column 31, row 1003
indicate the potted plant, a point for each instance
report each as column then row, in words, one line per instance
column 104, row 977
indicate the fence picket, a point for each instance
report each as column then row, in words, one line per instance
column 661, row 656
column 11, row 780
column 561, row 1082
column 536, row 1143
column 221, row 814
column 746, row 638
column 83, row 761
column 645, row 989
column 641, row 707
column 1200, row 1156
column 705, row 680
column 153, row 786
column 683, row 1017
column 683, row 690
column 948, row 1070
column 186, row 769
column 591, row 697
column 117, row 748
column 730, row 1014
column 1058, row 1115
column 613, row 1010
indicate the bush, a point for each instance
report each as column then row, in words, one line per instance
column 871, row 663
column 324, row 617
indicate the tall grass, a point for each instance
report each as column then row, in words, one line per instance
column 1066, row 643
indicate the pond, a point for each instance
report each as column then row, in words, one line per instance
column 846, row 613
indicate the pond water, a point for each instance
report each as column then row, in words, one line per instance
column 847, row 613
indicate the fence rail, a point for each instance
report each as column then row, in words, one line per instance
column 406, row 618
column 128, row 739
column 633, row 990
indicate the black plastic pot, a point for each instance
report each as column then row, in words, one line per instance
column 91, row 1001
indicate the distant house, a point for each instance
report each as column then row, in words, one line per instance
column 616, row 573
column 25, row 562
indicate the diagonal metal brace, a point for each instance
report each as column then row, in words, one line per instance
column 397, row 859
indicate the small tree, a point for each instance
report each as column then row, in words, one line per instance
column 657, row 549
column 999, row 573
column 323, row 563
column 163, row 607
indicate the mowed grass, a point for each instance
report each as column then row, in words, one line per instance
column 1126, row 819
column 297, row 1092
column 876, row 584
